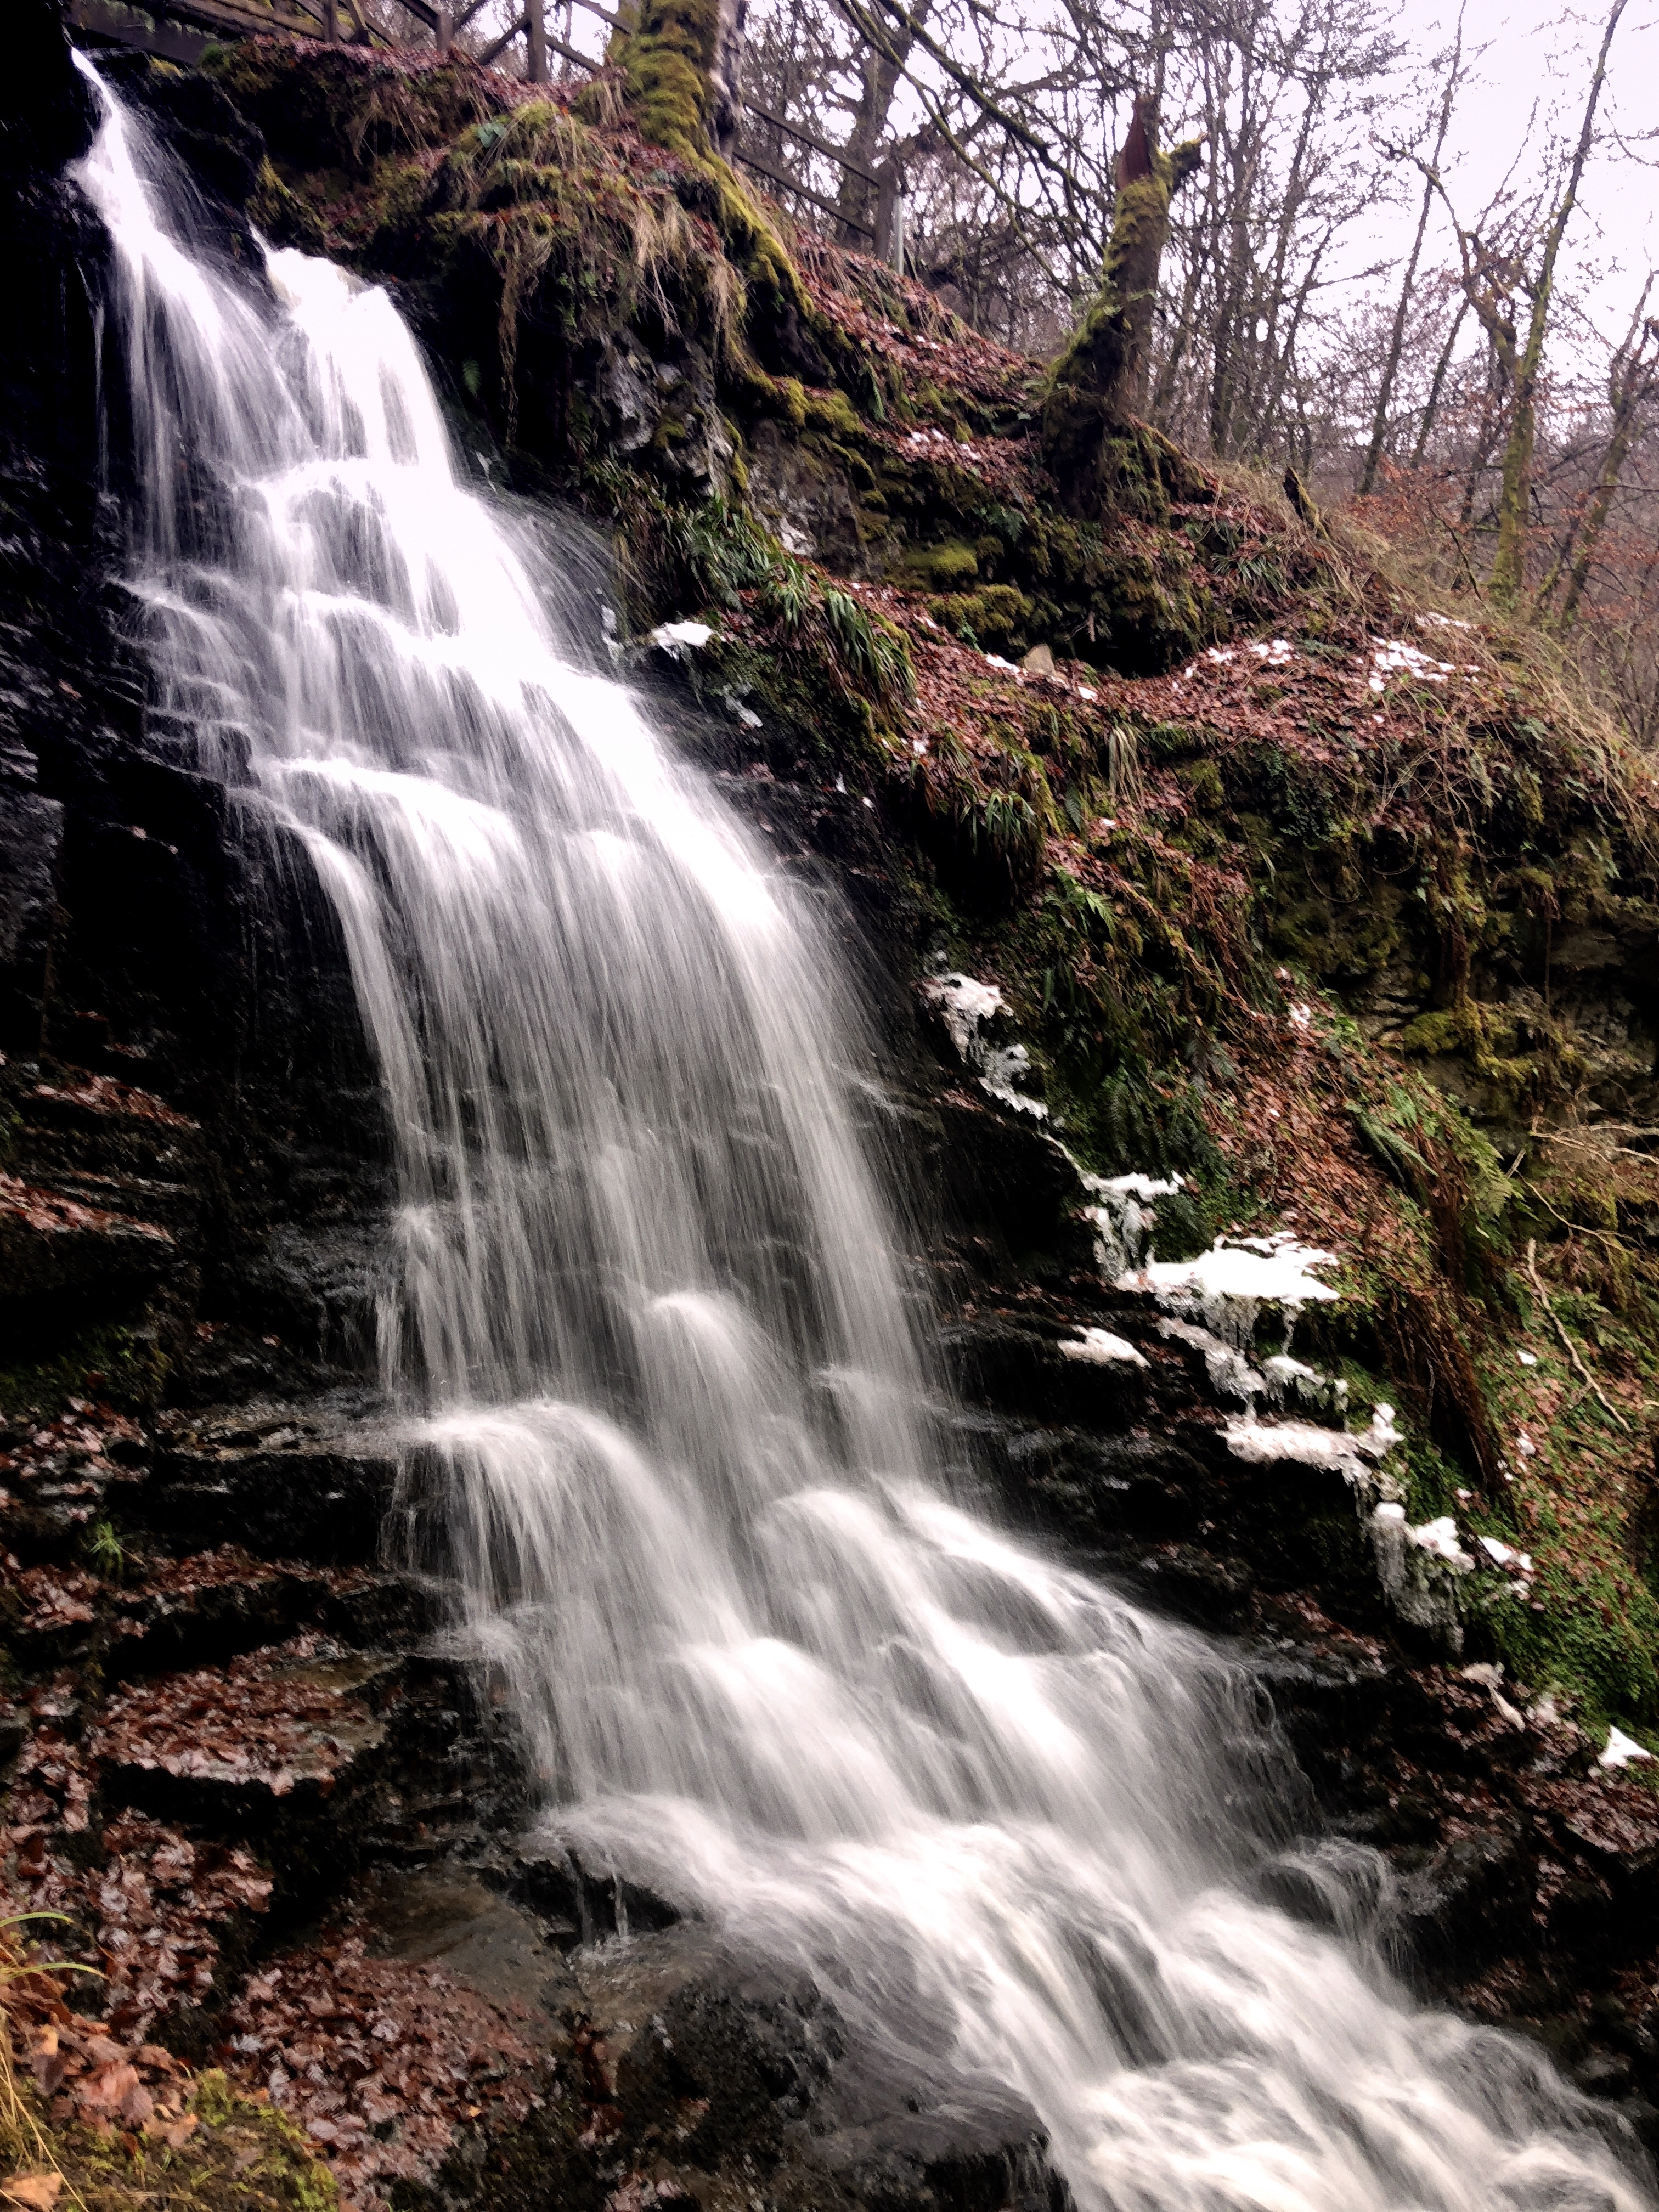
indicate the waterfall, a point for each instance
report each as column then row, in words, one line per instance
column 650, row 1323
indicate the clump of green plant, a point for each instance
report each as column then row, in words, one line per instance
column 715, row 555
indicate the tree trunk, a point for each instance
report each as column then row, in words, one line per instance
column 684, row 65
column 1509, row 568
column 1441, row 369
column 856, row 198
column 1100, row 380
column 1628, row 386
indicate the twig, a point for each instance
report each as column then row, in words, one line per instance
column 1567, row 1344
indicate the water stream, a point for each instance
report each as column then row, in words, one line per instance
column 650, row 1321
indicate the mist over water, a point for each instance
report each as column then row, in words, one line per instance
column 649, row 1323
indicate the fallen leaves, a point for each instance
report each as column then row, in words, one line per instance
column 262, row 1721
column 34, row 2192
column 102, row 1096
column 83, row 2072
column 48, row 1213
column 157, row 1910
column 380, row 2060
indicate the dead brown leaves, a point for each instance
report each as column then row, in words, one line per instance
column 47, row 1213
column 380, row 2060
column 83, row 2073
column 152, row 1913
column 102, row 1096
column 257, row 1721
column 68, row 1460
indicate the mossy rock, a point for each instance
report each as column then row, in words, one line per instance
column 996, row 617
column 945, row 567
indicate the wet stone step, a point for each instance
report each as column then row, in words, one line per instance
column 211, row 1606
column 54, row 1248
column 1089, row 1378
column 281, row 1749
column 278, row 1485
column 56, row 1478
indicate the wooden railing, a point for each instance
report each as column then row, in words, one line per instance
column 180, row 31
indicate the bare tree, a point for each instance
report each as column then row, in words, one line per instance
column 1496, row 284
column 1631, row 381
column 1408, row 280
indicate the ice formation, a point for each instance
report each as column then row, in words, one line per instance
column 967, row 1007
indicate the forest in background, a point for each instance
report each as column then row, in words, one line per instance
column 1473, row 371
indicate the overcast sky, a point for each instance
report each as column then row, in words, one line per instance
column 1538, row 56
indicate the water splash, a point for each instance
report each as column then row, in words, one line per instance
column 650, row 1323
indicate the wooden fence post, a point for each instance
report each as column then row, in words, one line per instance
column 330, row 22
column 444, row 29
column 536, row 40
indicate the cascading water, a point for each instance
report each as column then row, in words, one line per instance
column 650, row 1321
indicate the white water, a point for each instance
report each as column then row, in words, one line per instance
column 650, row 1314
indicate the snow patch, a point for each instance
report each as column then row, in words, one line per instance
column 1226, row 1287
column 1439, row 1538
column 1291, row 1378
column 675, row 637
column 1621, row 1749
column 1098, row 1347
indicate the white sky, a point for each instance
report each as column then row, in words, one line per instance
column 1530, row 77
column 1534, row 70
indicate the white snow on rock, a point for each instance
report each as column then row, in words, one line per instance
column 1100, row 1348
column 1303, row 1444
column 1504, row 1555
column 1439, row 1538
column 1226, row 1287
column 1352, row 1453
column 966, row 1006
column 1292, row 1378
column 675, row 637
column 1231, row 1374
column 1621, row 1749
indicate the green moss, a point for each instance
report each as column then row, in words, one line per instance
column 944, row 568
column 996, row 619
column 833, row 412
column 1434, row 1033
column 1201, row 781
